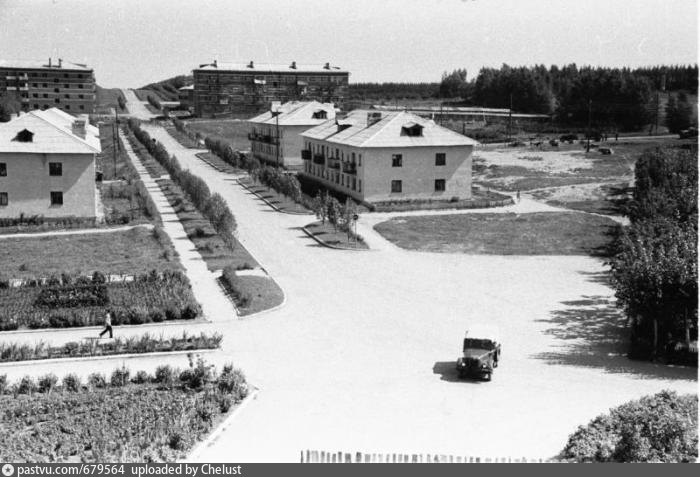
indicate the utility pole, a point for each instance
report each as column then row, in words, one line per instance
column 510, row 116
column 277, row 146
column 588, row 134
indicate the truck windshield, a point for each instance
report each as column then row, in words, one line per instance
column 478, row 344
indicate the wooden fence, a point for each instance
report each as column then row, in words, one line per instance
column 326, row 457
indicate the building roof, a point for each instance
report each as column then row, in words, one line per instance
column 296, row 113
column 44, row 65
column 185, row 88
column 52, row 134
column 270, row 67
column 387, row 131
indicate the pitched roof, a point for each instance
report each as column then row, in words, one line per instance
column 270, row 68
column 386, row 131
column 40, row 64
column 296, row 113
column 52, row 134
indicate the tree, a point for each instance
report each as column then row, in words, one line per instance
column 333, row 211
column 679, row 113
column 319, row 207
column 453, row 84
column 9, row 106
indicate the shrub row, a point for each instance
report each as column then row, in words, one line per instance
column 226, row 152
column 232, row 282
column 146, row 343
column 211, row 206
column 121, row 101
column 275, row 178
column 153, row 101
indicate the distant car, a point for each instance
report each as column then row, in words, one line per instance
column 688, row 133
column 570, row 138
column 606, row 151
column 481, row 351
column 554, row 143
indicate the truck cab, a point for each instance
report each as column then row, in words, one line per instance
column 481, row 352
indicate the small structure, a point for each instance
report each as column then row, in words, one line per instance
column 186, row 96
column 275, row 135
column 47, row 165
column 375, row 156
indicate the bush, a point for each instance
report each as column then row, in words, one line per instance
column 120, row 377
column 26, row 385
column 232, row 381
column 157, row 316
column 97, row 380
column 189, row 312
column 141, row 377
column 658, row 428
column 165, row 376
column 235, row 287
column 47, row 382
column 71, row 382
column 3, row 383
column 198, row 375
column 177, row 440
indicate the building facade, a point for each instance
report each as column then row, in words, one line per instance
column 226, row 88
column 275, row 136
column 47, row 166
column 44, row 85
column 389, row 156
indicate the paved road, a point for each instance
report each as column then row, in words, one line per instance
column 360, row 358
column 136, row 107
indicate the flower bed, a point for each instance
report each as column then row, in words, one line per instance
column 126, row 418
column 148, row 298
column 131, row 345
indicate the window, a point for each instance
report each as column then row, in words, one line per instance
column 360, row 160
column 80, row 86
column 439, row 185
column 34, row 85
column 57, row 100
column 359, row 185
column 65, row 85
column 3, row 198
column 82, row 107
column 395, row 186
column 396, row 161
column 56, row 198
column 440, row 159
column 55, row 168
column 67, row 106
column 55, row 90
column 46, row 95
column 67, row 95
column 36, row 106
column 44, row 85
column 3, row 169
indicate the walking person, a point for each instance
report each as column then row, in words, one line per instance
column 108, row 325
column 517, row 195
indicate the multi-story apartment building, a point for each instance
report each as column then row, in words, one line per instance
column 224, row 88
column 43, row 85
column 389, row 156
column 47, row 165
column 275, row 135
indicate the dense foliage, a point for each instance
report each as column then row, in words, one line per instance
column 129, row 345
column 81, row 301
column 168, row 89
column 392, row 91
column 654, row 271
column 679, row 113
column 211, row 206
column 126, row 418
column 153, row 101
column 658, row 428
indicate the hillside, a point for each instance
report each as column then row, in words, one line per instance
column 167, row 89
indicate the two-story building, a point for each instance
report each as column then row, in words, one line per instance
column 47, row 165
column 275, row 136
column 376, row 156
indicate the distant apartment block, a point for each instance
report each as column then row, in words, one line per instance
column 47, row 165
column 224, row 88
column 275, row 136
column 389, row 156
column 50, row 84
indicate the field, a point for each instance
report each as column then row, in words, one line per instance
column 106, row 98
column 232, row 130
column 132, row 252
column 543, row 233
column 157, row 419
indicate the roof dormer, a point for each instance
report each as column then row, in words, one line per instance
column 25, row 135
column 412, row 129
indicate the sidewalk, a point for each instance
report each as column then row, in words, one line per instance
column 52, row 233
column 215, row 305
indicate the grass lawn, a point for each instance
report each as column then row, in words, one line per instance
column 180, row 137
column 327, row 233
column 233, row 131
column 278, row 200
column 107, row 159
column 542, row 233
column 129, row 252
column 263, row 292
column 608, row 199
column 106, row 98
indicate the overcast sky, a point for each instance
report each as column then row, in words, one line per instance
column 130, row 43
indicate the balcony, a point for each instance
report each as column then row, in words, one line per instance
column 10, row 78
column 334, row 163
column 319, row 159
column 350, row 168
column 306, row 154
column 263, row 138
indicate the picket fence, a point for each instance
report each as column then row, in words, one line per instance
column 326, row 457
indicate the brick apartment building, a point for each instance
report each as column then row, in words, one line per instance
column 224, row 88
column 375, row 156
column 52, row 84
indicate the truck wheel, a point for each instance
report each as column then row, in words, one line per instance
column 487, row 377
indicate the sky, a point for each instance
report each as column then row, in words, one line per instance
column 130, row 43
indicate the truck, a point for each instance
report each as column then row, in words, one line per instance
column 481, row 352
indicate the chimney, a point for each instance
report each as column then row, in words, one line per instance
column 251, row 65
column 294, row 65
column 216, row 64
column 78, row 128
column 60, row 62
column 373, row 117
column 327, row 66
column 49, row 62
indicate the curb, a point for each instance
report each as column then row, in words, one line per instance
column 214, row 435
column 277, row 209
column 100, row 327
column 325, row 244
column 29, row 362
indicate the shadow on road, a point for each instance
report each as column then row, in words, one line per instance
column 593, row 334
column 447, row 372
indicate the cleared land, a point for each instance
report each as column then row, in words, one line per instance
column 232, row 130
column 540, row 233
column 135, row 251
